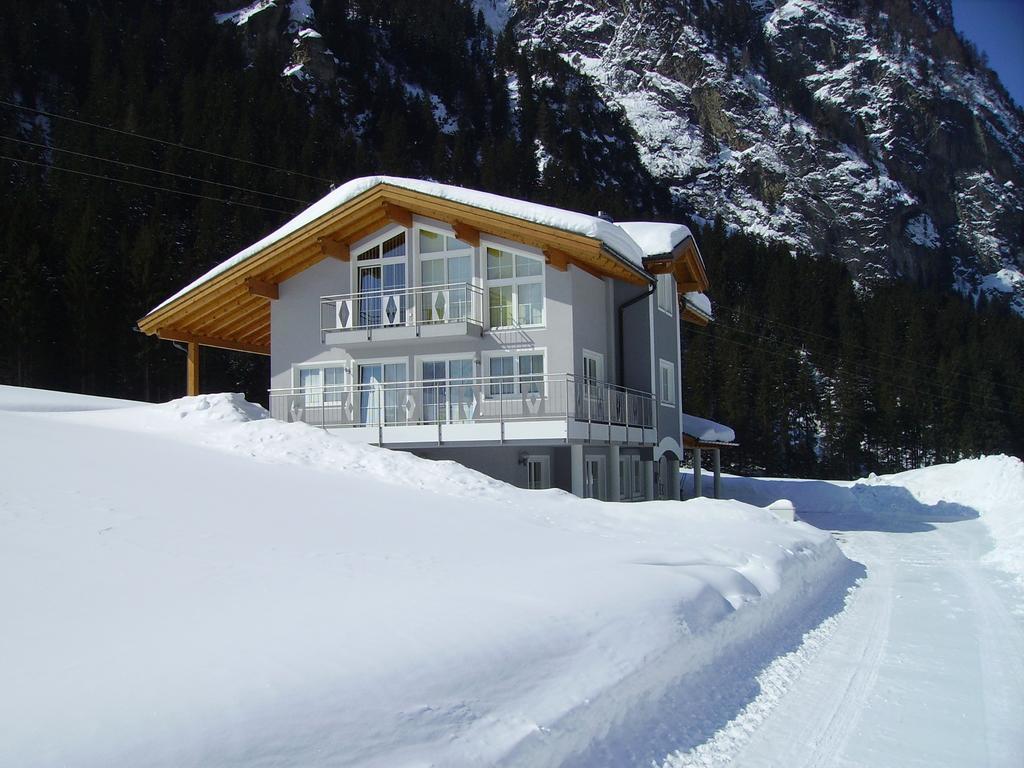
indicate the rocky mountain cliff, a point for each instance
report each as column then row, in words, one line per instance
column 866, row 130
column 862, row 130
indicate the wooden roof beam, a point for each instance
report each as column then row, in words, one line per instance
column 398, row 214
column 466, row 233
column 336, row 249
column 557, row 259
column 257, row 287
column 171, row 334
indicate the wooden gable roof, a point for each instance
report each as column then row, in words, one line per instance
column 231, row 310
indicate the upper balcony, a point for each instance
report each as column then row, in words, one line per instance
column 501, row 409
column 402, row 313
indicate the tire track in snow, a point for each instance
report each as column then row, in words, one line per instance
column 1001, row 654
column 823, row 706
column 807, row 683
column 842, row 712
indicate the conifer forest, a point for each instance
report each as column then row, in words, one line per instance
column 142, row 142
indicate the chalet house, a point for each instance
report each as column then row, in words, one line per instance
column 537, row 345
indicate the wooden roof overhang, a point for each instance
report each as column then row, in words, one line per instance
column 687, row 266
column 689, row 441
column 232, row 309
column 684, row 262
column 693, row 315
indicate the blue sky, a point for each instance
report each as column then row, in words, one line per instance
column 997, row 28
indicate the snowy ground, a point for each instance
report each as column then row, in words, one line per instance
column 193, row 584
column 925, row 666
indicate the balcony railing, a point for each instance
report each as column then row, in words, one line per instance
column 392, row 308
column 466, row 401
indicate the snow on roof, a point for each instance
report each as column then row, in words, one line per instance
column 699, row 301
column 707, row 431
column 613, row 236
column 655, row 238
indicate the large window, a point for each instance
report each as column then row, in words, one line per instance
column 322, row 385
column 514, row 374
column 380, row 277
column 444, row 260
column 447, row 390
column 515, row 289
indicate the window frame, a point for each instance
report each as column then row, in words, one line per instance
column 444, row 256
column 485, row 364
column 322, row 397
column 666, row 293
column 515, row 282
column 544, row 461
column 670, row 367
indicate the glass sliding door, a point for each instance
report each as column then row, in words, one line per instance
column 447, row 390
column 370, row 297
column 393, row 300
column 461, row 406
column 382, row 392
column 435, row 391
column 380, row 281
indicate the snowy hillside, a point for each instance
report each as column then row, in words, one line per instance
column 866, row 132
column 195, row 584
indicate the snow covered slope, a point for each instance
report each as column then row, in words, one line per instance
column 195, row 584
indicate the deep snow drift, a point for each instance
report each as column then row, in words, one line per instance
column 195, row 584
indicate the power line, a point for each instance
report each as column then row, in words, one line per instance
column 869, row 350
column 862, row 366
column 176, row 145
column 859, row 377
column 146, row 186
column 52, row 148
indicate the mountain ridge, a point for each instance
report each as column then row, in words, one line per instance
column 882, row 141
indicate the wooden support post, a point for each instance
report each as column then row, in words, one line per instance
column 698, row 489
column 257, row 287
column 717, row 454
column 192, row 370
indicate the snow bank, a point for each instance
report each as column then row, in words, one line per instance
column 196, row 584
column 990, row 488
column 993, row 486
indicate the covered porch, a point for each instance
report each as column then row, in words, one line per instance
column 703, row 435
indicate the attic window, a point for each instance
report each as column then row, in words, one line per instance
column 392, row 248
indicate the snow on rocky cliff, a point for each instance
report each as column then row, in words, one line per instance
column 874, row 138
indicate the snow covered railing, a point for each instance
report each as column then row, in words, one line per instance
column 466, row 401
column 389, row 308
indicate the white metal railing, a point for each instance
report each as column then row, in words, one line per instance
column 390, row 308
column 469, row 400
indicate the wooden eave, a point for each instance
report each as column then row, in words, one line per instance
column 232, row 309
column 692, row 316
column 689, row 441
column 684, row 263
